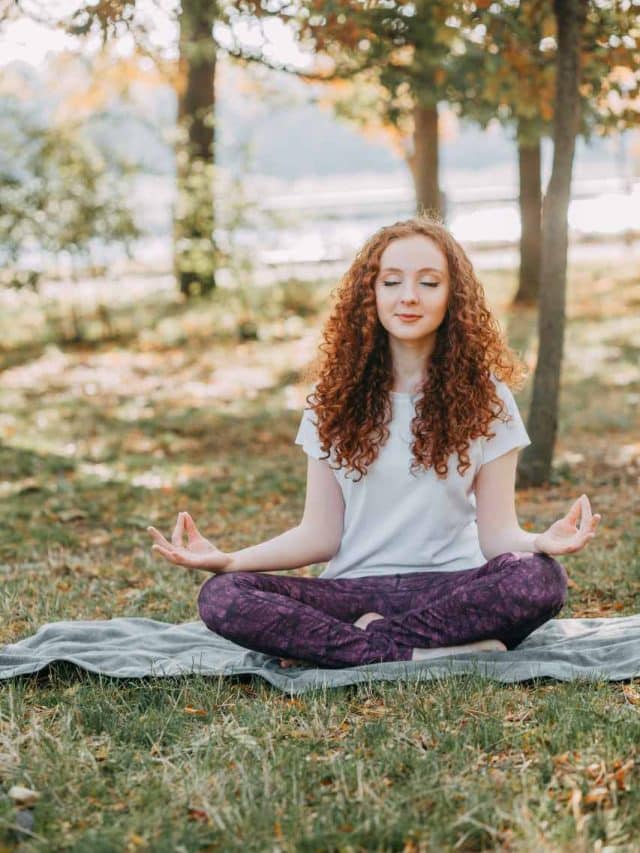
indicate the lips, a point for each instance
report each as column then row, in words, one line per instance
column 409, row 316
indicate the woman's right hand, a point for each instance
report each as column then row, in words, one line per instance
column 198, row 553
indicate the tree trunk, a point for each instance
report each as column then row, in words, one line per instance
column 424, row 161
column 535, row 464
column 194, row 249
column 530, row 201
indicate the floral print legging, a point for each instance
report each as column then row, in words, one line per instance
column 312, row 619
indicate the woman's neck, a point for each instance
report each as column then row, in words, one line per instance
column 403, row 385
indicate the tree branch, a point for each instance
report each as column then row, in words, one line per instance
column 310, row 77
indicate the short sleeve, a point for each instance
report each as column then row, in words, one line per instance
column 507, row 435
column 308, row 435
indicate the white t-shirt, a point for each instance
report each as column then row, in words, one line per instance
column 398, row 523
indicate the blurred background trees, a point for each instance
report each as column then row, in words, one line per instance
column 73, row 169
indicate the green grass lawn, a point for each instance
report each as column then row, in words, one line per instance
column 119, row 420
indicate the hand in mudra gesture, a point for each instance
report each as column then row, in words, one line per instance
column 565, row 536
column 196, row 553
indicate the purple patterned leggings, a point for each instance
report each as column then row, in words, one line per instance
column 312, row 618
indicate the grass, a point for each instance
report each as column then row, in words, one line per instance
column 107, row 425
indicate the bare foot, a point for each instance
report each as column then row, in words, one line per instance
column 479, row 646
column 364, row 620
column 285, row 663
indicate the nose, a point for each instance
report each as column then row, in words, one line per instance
column 409, row 295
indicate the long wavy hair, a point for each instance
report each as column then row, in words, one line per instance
column 353, row 373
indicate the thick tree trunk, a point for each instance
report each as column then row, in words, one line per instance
column 530, row 201
column 535, row 464
column 424, row 162
column 194, row 249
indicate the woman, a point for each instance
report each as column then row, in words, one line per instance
column 412, row 437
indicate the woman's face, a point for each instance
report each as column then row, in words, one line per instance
column 413, row 280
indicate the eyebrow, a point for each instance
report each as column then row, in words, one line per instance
column 423, row 269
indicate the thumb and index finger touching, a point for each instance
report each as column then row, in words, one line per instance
column 178, row 530
column 184, row 524
column 581, row 509
column 190, row 526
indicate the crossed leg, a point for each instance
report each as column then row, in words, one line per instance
column 408, row 617
column 417, row 653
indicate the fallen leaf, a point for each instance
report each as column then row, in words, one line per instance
column 101, row 753
column 631, row 693
column 198, row 712
column 574, row 801
column 29, row 484
column 563, row 758
column 518, row 716
column 371, row 708
column 596, row 770
column 198, row 814
column 498, row 777
column 621, row 772
column 71, row 514
column 596, row 795
column 23, row 796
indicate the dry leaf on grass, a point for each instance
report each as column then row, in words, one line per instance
column 596, row 795
column 631, row 693
column 198, row 814
column 197, row 712
column 23, row 796
column 603, row 784
column 101, row 753
column 70, row 514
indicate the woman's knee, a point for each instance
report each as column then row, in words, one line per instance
column 550, row 583
column 216, row 597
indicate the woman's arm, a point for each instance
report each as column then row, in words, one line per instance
column 299, row 546
column 316, row 539
column 498, row 528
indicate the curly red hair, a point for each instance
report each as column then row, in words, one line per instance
column 353, row 369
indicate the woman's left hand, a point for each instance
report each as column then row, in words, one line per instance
column 565, row 536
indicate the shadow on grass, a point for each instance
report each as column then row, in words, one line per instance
column 18, row 462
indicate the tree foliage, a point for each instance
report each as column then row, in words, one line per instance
column 57, row 192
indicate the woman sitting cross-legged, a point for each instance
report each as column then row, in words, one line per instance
column 412, row 436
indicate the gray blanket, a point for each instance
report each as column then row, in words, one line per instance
column 128, row 647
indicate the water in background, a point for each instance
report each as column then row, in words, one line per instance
column 316, row 227
column 325, row 224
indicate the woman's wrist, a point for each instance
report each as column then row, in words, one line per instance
column 216, row 561
column 535, row 545
column 221, row 567
column 528, row 542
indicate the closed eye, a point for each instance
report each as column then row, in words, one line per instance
column 430, row 283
